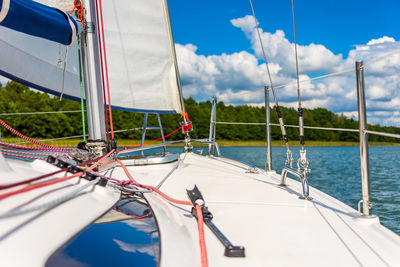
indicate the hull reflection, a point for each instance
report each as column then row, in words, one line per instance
column 126, row 236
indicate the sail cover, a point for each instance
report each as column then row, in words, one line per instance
column 37, row 60
column 38, row 20
column 140, row 54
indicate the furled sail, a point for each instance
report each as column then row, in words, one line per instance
column 38, row 20
column 140, row 54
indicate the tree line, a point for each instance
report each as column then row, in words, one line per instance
column 17, row 98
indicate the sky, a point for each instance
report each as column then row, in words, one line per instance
column 219, row 53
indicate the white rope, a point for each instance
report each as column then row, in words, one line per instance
column 63, row 75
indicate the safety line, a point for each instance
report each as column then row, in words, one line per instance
column 39, row 113
column 321, row 76
column 152, row 141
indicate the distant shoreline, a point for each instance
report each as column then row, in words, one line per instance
column 222, row 143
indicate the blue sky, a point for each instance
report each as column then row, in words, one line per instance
column 337, row 24
column 219, row 53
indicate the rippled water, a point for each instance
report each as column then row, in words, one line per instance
column 336, row 171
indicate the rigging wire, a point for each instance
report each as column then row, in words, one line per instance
column 302, row 163
column 102, row 75
column 105, row 66
column 289, row 157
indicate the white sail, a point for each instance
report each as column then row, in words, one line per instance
column 140, row 55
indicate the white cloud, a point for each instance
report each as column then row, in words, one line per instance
column 142, row 248
column 381, row 40
column 312, row 57
column 239, row 78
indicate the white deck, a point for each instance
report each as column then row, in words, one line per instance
column 275, row 226
column 30, row 239
column 271, row 222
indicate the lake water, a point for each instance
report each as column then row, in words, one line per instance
column 336, row 171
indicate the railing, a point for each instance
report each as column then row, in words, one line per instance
column 363, row 131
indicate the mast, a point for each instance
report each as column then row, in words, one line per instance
column 92, row 75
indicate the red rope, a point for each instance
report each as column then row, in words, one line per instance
column 79, row 10
column 200, row 221
column 23, row 152
column 23, row 136
column 106, row 69
column 21, row 156
column 102, row 80
column 55, row 149
column 152, row 141
column 173, row 200
column 51, row 182
column 33, row 179
column 202, row 241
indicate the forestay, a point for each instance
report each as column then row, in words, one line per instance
column 142, row 70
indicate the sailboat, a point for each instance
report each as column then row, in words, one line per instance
column 105, row 206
